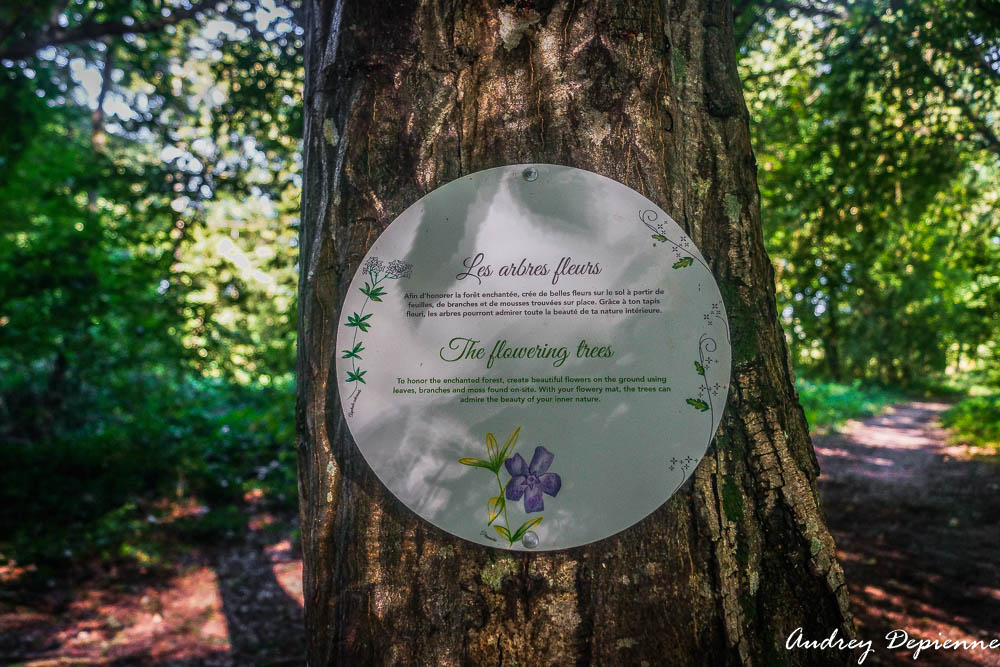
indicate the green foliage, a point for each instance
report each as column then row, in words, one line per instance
column 147, row 251
column 92, row 490
column 147, row 272
column 877, row 142
column 829, row 404
column 976, row 420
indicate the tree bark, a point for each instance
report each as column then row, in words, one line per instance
column 404, row 97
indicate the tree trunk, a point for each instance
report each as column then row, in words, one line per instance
column 404, row 97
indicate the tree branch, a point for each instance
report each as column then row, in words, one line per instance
column 787, row 5
column 810, row 10
column 778, row 71
column 53, row 35
column 989, row 137
column 97, row 117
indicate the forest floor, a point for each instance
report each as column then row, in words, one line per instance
column 915, row 520
column 236, row 602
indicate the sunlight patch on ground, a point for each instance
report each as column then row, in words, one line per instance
column 912, row 519
column 924, row 622
column 287, row 570
column 181, row 620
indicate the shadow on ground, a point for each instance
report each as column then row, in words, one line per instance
column 238, row 603
column 915, row 521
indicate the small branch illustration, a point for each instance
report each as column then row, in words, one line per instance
column 684, row 256
column 684, row 465
column 715, row 314
column 377, row 272
column 703, row 402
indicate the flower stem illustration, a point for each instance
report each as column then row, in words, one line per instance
column 703, row 402
column 681, row 250
column 373, row 291
column 526, row 481
column 684, row 258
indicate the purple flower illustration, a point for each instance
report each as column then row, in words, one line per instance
column 531, row 480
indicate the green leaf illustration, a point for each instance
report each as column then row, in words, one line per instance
column 495, row 506
column 491, row 447
column 356, row 376
column 698, row 367
column 660, row 237
column 359, row 321
column 508, row 446
column 682, row 262
column 479, row 463
column 373, row 292
column 698, row 404
column 525, row 527
column 354, row 353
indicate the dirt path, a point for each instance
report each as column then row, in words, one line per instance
column 917, row 526
column 229, row 604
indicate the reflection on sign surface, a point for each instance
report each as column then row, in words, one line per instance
column 533, row 357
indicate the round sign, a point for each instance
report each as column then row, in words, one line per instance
column 533, row 357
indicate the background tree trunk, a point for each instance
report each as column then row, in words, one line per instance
column 404, row 97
